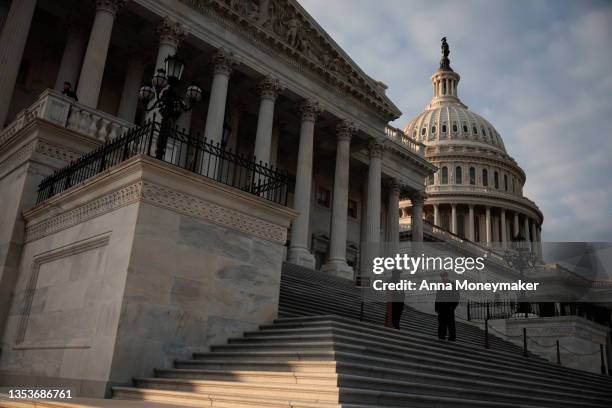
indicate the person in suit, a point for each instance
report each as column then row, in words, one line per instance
column 446, row 302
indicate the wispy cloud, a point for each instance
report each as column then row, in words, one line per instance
column 539, row 71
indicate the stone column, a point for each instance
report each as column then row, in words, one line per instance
column 298, row 250
column 504, row 242
column 471, row 235
column 336, row 263
column 74, row 50
column 268, row 90
column 417, row 200
column 526, row 228
column 237, row 107
column 92, row 71
column 454, row 218
column 516, row 224
column 12, row 44
column 488, row 225
column 393, row 217
column 170, row 33
column 372, row 237
column 223, row 62
column 436, row 220
column 131, row 85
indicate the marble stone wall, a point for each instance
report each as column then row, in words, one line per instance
column 140, row 265
column 191, row 284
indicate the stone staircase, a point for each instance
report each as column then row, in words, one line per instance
column 318, row 354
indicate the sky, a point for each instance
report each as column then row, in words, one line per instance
column 539, row 71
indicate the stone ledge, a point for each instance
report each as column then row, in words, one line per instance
column 144, row 179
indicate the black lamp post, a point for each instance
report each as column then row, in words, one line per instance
column 166, row 99
column 521, row 257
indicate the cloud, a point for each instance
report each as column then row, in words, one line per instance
column 539, row 71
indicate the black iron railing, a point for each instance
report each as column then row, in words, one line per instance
column 504, row 309
column 185, row 150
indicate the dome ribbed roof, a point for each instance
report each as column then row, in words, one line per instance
column 452, row 121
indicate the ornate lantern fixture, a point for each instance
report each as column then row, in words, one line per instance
column 166, row 100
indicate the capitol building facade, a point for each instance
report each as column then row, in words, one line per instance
column 190, row 194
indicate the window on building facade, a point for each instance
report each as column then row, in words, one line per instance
column 430, row 179
column 472, row 175
column 496, row 179
column 454, row 127
column 458, row 175
column 352, row 210
column 485, row 177
column 444, row 175
column 323, row 197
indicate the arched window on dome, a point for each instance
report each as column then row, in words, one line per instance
column 496, row 180
column 465, row 129
column 458, row 175
column 485, row 177
column 423, row 131
column 484, row 132
column 472, row 175
column 444, row 175
column 444, row 128
column 454, row 128
column 433, row 130
column 475, row 130
column 506, row 182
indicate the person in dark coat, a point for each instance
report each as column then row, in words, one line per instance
column 446, row 302
column 395, row 304
column 69, row 92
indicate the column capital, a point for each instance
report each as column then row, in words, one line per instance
column 418, row 197
column 110, row 6
column 269, row 87
column 224, row 61
column 345, row 130
column 310, row 109
column 393, row 185
column 375, row 149
column 171, row 32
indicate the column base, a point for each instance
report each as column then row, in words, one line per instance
column 301, row 256
column 338, row 267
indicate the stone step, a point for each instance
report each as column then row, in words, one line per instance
column 249, row 376
column 300, row 392
column 193, row 399
column 361, row 327
column 388, row 352
column 429, row 325
column 435, row 374
column 296, row 366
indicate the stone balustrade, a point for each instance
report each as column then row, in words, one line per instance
column 58, row 109
column 399, row 137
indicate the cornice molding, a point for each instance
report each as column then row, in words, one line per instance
column 160, row 196
column 282, row 27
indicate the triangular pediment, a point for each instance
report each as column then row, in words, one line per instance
column 285, row 26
